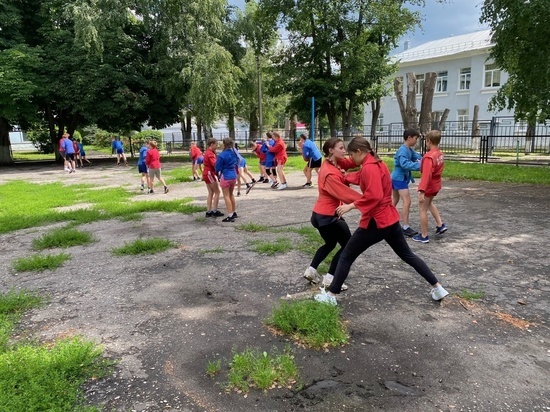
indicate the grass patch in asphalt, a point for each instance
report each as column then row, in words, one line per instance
column 218, row 249
column 268, row 247
column 470, row 295
column 214, row 367
column 144, row 247
column 63, row 237
column 43, row 200
column 12, row 304
column 256, row 369
column 43, row 378
column 178, row 175
column 314, row 324
column 40, row 262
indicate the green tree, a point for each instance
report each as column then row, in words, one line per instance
column 521, row 33
column 337, row 52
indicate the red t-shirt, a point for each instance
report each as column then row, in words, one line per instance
column 258, row 152
column 333, row 190
column 376, row 202
column 195, row 152
column 152, row 159
column 431, row 169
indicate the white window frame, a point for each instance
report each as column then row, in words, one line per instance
column 441, row 81
column 491, row 76
column 464, row 78
column 380, row 122
column 463, row 117
column 419, row 84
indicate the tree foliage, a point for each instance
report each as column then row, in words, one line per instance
column 521, row 33
column 337, row 52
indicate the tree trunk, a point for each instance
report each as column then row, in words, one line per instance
column 530, row 135
column 375, row 108
column 476, row 132
column 330, row 110
column 231, row 123
column 254, row 125
column 292, row 130
column 6, row 158
column 411, row 113
column 347, row 117
column 428, row 90
column 187, row 127
column 443, row 119
column 199, row 129
column 398, row 89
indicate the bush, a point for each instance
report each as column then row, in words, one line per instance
column 40, row 138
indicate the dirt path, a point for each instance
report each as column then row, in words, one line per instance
column 167, row 315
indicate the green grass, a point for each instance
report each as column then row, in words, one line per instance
column 316, row 325
column 252, row 227
column 214, row 367
column 280, row 245
column 178, row 175
column 12, row 305
column 40, row 378
column 40, row 262
column 144, row 247
column 43, row 378
column 29, row 156
column 43, row 200
column 255, row 369
column 64, row 237
column 469, row 295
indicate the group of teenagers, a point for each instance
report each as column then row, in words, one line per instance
column 72, row 152
column 379, row 194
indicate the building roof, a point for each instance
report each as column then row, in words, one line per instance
column 446, row 47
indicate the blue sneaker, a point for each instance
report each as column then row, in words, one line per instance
column 439, row 230
column 421, row 239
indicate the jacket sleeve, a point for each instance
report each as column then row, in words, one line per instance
column 427, row 167
column 339, row 190
column 353, row 178
column 276, row 148
column 408, row 164
column 347, row 164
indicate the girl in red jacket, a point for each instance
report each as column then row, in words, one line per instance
column 379, row 221
column 210, row 179
column 152, row 160
column 279, row 148
column 333, row 190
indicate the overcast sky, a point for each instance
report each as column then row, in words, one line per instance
column 454, row 17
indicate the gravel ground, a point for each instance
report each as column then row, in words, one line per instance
column 164, row 317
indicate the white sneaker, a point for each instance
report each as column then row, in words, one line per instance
column 282, row 186
column 327, row 280
column 324, row 297
column 438, row 293
column 312, row 275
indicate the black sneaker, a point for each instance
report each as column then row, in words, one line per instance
column 217, row 213
column 266, row 181
column 410, row 232
column 253, row 180
column 238, row 194
column 209, row 214
column 274, row 185
column 235, row 215
column 308, row 184
column 261, row 179
column 166, row 190
column 228, row 219
column 249, row 187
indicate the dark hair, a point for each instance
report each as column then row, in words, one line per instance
column 362, row 144
column 303, row 136
column 410, row 132
column 329, row 144
column 269, row 135
column 211, row 141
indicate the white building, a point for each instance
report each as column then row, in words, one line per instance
column 466, row 76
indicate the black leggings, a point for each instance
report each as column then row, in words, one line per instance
column 337, row 232
column 362, row 239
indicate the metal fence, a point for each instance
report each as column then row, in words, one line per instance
column 493, row 139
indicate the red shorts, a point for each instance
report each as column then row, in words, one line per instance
column 280, row 162
column 209, row 178
column 227, row 184
column 431, row 194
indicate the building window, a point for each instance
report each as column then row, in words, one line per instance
column 492, row 75
column 380, row 122
column 419, row 83
column 463, row 119
column 465, row 77
column 441, row 82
